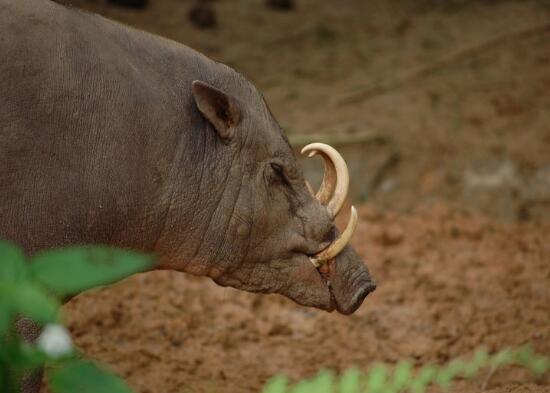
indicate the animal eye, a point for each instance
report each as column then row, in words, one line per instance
column 279, row 171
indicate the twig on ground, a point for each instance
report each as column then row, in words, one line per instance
column 490, row 373
column 336, row 138
column 385, row 86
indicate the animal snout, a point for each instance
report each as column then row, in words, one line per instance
column 360, row 295
column 355, row 301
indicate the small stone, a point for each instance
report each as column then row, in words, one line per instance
column 202, row 16
column 390, row 235
column 137, row 4
column 280, row 330
column 370, row 213
column 280, row 5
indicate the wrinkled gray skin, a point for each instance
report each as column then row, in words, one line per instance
column 105, row 139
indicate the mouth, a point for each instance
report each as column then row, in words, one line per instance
column 340, row 284
column 346, row 289
column 333, row 305
column 324, row 271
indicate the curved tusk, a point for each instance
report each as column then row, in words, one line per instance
column 334, row 189
column 329, row 178
column 338, row 245
column 310, row 189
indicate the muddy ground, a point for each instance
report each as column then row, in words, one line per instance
column 448, row 282
column 450, row 102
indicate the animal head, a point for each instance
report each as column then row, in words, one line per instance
column 262, row 229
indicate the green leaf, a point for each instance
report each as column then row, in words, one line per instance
column 7, row 380
column 525, row 354
column 539, row 365
column 23, row 356
column 480, row 360
column 6, row 316
column 30, row 301
column 276, row 385
column 376, row 380
column 75, row 269
column 424, row 378
column 427, row 374
column 3, row 375
column 417, row 386
column 444, row 378
column 404, row 378
column 502, row 358
column 323, row 382
column 12, row 263
column 305, row 386
column 85, row 377
column 350, row 382
column 401, row 375
column 456, row 367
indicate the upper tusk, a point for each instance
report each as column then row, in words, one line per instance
column 338, row 245
column 329, row 178
column 335, row 186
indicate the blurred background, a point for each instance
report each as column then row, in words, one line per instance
column 442, row 110
column 427, row 99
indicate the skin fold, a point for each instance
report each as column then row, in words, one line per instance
column 110, row 135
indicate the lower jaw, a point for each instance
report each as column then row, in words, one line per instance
column 333, row 303
column 324, row 271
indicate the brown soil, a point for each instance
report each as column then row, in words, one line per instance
column 448, row 284
column 456, row 229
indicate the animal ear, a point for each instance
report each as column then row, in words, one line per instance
column 219, row 108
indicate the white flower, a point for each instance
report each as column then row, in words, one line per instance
column 55, row 341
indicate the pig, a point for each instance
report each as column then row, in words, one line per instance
column 111, row 135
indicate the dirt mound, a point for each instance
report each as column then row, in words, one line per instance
column 448, row 283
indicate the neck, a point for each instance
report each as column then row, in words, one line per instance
column 197, row 224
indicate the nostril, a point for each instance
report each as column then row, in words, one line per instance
column 361, row 294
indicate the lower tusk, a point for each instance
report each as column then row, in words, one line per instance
column 338, row 245
column 310, row 189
